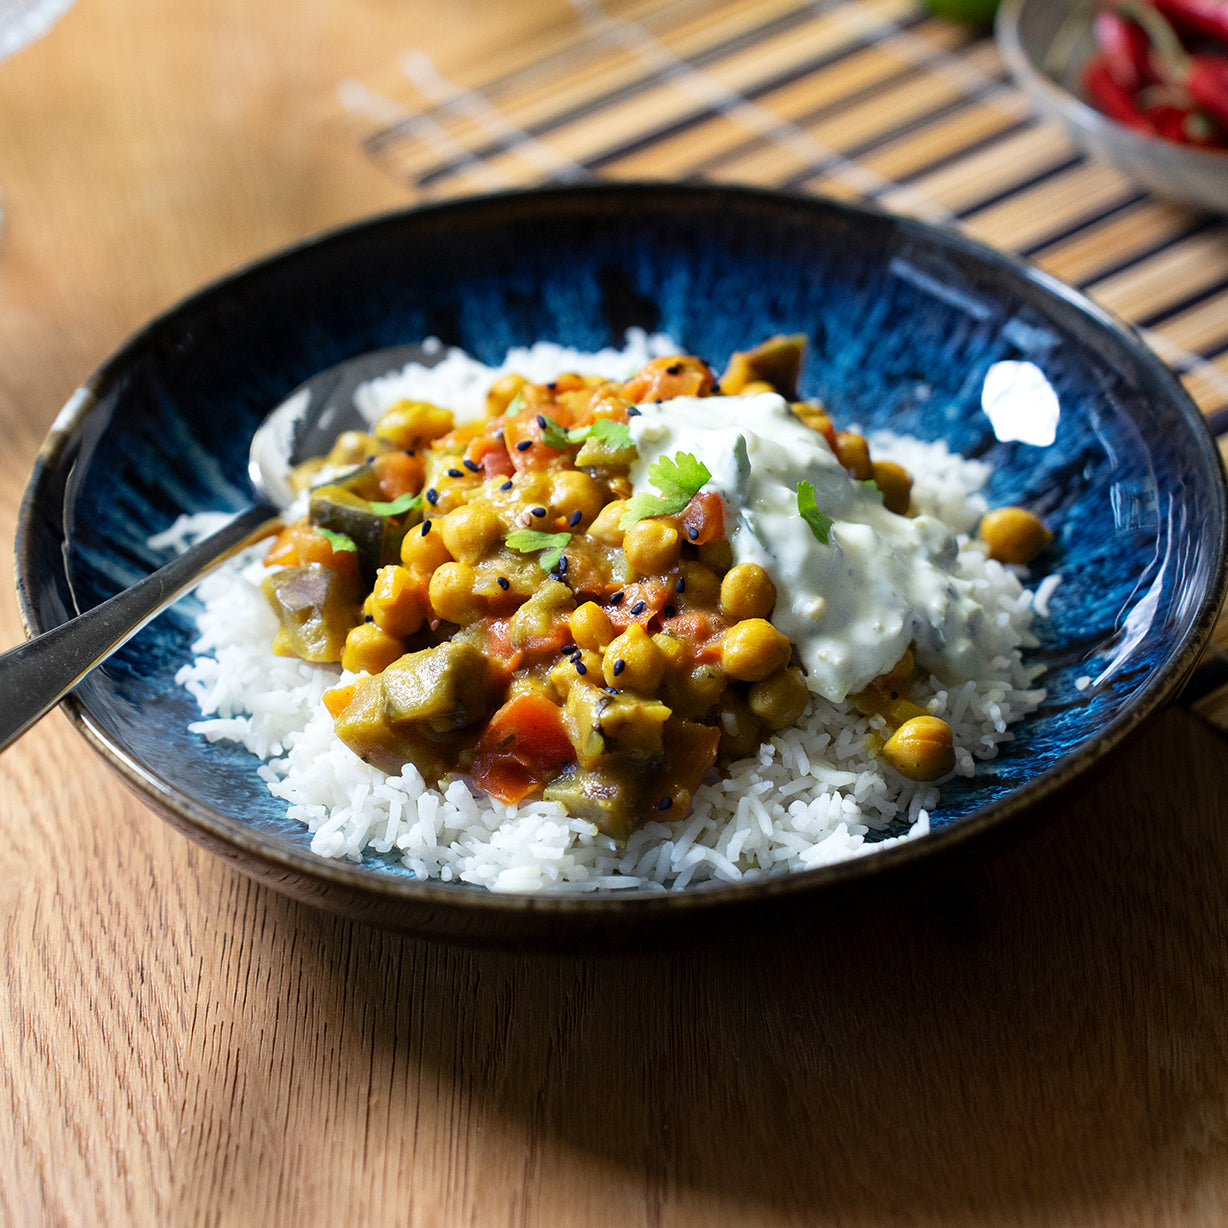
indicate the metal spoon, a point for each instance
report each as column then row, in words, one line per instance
column 39, row 673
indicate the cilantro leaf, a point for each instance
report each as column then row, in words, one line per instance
column 529, row 541
column 338, row 541
column 401, row 504
column 820, row 523
column 614, row 434
column 678, row 480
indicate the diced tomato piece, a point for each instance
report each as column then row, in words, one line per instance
column 703, row 630
column 703, row 519
column 523, row 746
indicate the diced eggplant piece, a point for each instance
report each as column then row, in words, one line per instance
column 605, row 726
column 448, row 687
column 315, row 607
column 340, row 509
column 538, row 616
column 777, row 361
column 608, row 797
column 363, row 726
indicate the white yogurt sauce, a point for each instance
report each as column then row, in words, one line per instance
column 851, row 607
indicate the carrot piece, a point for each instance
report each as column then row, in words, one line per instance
column 399, row 473
column 338, row 699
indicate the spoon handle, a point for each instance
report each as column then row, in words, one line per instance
column 35, row 676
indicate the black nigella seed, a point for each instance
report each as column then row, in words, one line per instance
column 562, row 567
column 432, row 496
column 426, row 527
column 504, row 583
column 619, row 666
column 576, row 517
column 410, row 452
column 368, row 618
column 472, row 466
column 541, row 421
column 674, row 368
column 680, row 587
column 693, row 533
column 581, row 668
column 639, row 607
column 665, row 803
column 669, row 611
column 524, row 445
column 539, row 511
column 506, row 485
column 455, row 473
column 632, row 412
column 616, row 598
column 552, row 385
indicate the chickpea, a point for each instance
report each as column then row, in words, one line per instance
column 853, row 453
column 423, row 550
column 591, row 626
column 571, row 491
column 396, row 604
column 701, row 586
column 369, row 647
column 569, row 670
column 633, row 662
column 470, row 531
column 502, row 393
column 895, row 483
column 1014, row 535
column 753, row 649
column 778, row 700
column 652, row 546
column 693, row 693
column 605, row 527
column 717, row 555
column 922, row 748
column 747, row 591
column 452, row 594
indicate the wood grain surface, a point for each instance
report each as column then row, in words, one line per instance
column 1039, row 1038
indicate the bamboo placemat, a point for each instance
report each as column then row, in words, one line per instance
column 857, row 99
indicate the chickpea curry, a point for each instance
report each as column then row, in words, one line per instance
column 519, row 605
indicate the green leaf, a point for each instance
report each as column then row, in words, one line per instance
column 529, row 541
column 820, row 523
column 401, row 504
column 614, row 434
column 553, row 435
column 338, row 541
column 514, row 406
column 678, row 480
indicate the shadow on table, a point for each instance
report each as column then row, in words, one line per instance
column 1045, row 1031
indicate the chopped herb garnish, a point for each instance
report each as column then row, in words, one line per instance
column 529, row 541
column 338, row 541
column 615, row 435
column 678, row 480
column 401, row 504
column 820, row 523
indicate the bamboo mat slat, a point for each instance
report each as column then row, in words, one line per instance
column 859, row 99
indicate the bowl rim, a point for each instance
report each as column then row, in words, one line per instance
column 1068, row 105
column 224, row 832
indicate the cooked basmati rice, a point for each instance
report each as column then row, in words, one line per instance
column 815, row 794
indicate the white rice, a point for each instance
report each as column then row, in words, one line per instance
column 814, row 795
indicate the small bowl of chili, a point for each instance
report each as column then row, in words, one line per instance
column 1140, row 84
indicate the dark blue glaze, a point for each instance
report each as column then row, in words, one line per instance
column 904, row 320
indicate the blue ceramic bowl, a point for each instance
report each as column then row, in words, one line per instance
column 904, row 321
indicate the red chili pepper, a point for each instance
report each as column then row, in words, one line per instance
column 1111, row 97
column 1208, row 17
column 1206, row 78
column 1124, row 47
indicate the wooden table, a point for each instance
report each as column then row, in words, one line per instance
column 1042, row 1040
